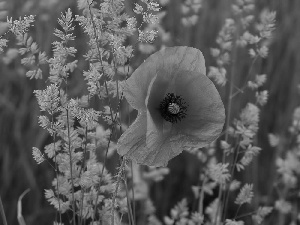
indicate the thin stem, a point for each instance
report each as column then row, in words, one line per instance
column 227, row 122
column 104, row 163
column 129, row 204
column 100, row 59
column 237, row 212
column 49, row 162
column 84, row 151
column 71, row 166
column 241, row 90
column 56, row 169
column 235, row 158
column 245, row 214
column 229, row 101
column 69, row 147
column 107, row 93
column 120, row 174
column 81, row 169
column 201, row 199
column 81, row 206
column 2, row 213
column 102, row 172
column 132, row 189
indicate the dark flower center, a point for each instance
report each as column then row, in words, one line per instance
column 173, row 108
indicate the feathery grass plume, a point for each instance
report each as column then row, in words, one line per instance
column 57, row 223
column 180, row 215
column 73, row 148
column 245, row 195
column 262, row 97
column 234, row 185
column 60, row 68
column 249, row 119
column 274, row 140
column 288, row 171
column 156, row 174
column 37, row 155
column 3, row 44
column 148, row 13
column 236, row 33
column 258, row 81
column 32, row 56
column 4, row 26
column 212, row 210
column 241, row 32
column 147, row 36
column 189, row 11
column 52, row 127
column 248, row 156
column 151, row 31
column 219, row 172
column 83, row 187
column 261, row 213
column 246, row 128
column 52, row 148
column 59, row 204
column 221, row 54
column 283, row 206
column 226, row 147
column 48, row 99
column 234, row 222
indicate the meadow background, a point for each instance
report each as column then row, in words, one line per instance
column 19, row 129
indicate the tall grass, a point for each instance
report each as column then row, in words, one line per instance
column 20, row 130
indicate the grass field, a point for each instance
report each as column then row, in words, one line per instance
column 263, row 119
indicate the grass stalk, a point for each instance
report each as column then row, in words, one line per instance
column 2, row 213
column 71, row 168
column 119, row 177
column 130, row 216
column 221, row 196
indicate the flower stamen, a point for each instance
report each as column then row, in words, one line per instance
column 173, row 108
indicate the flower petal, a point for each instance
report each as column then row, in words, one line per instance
column 158, row 151
column 162, row 83
column 132, row 141
column 161, row 154
column 168, row 59
column 132, row 144
column 206, row 114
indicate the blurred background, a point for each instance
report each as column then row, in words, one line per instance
column 19, row 129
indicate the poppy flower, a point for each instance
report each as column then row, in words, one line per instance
column 178, row 107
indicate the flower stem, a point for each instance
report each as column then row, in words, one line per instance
column 246, row 214
column 80, row 173
column 120, row 174
column 235, row 158
column 2, row 213
column 237, row 212
column 240, row 90
column 107, row 93
column 71, row 167
column 201, row 199
column 132, row 189
column 56, row 170
column 227, row 122
column 130, row 216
